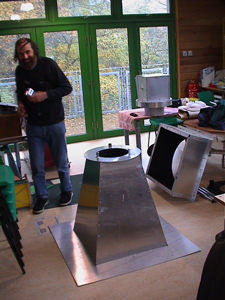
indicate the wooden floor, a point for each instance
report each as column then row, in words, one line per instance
column 48, row 277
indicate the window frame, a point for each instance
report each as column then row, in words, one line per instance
column 52, row 22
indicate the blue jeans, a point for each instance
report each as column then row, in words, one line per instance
column 54, row 136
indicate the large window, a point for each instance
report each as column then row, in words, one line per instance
column 154, row 50
column 114, row 75
column 7, row 68
column 101, row 46
column 64, row 48
column 22, row 10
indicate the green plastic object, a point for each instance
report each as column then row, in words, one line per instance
column 173, row 121
column 206, row 97
column 7, row 185
column 1, row 161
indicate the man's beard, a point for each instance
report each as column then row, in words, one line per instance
column 28, row 63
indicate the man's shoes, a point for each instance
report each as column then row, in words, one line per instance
column 40, row 205
column 65, row 198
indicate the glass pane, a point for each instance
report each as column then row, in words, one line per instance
column 7, row 68
column 114, row 75
column 67, row 8
column 63, row 47
column 154, row 50
column 22, row 10
column 145, row 7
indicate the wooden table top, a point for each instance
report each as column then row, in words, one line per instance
column 193, row 123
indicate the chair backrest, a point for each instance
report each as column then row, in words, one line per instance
column 206, row 97
column 7, row 185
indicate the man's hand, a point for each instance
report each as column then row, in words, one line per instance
column 38, row 97
column 22, row 111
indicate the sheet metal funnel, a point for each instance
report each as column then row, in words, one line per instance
column 116, row 215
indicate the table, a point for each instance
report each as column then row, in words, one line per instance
column 193, row 123
column 131, row 123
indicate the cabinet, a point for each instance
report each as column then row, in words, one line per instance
column 11, row 133
column 10, row 126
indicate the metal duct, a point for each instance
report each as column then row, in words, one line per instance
column 182, row 181
column 116, row 215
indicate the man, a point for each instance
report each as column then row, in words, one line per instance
column 40, row 86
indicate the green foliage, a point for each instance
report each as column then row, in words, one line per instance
column 69, row 8
column 64, row 48
column 154, row 45
column 112, row 48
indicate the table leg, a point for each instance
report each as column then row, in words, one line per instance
column 17, row 153
column 138, row 134
column 11, row 161
column 126, row 136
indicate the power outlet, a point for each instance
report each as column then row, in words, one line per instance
column 190, row 53
column 184, row 53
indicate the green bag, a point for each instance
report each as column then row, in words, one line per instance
column 217, row 120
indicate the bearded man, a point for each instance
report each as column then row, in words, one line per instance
column 40, row 86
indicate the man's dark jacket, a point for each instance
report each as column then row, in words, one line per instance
column 46, row 76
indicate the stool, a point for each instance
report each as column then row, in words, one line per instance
column 173, row 121
column 8, row 214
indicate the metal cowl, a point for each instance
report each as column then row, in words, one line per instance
column 112, row 153
column 116, row 215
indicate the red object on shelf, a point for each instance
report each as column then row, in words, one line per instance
column 214, row 86
column 192, row 89
column 48, row 157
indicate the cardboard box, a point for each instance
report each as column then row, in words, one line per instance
column 22, row 193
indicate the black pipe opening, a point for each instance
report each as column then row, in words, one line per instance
column 113, row 152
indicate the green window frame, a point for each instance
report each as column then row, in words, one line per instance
column 133, row 22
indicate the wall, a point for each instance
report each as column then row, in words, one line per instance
column 199, row 29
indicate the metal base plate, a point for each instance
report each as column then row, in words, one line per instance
column 84, row 271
